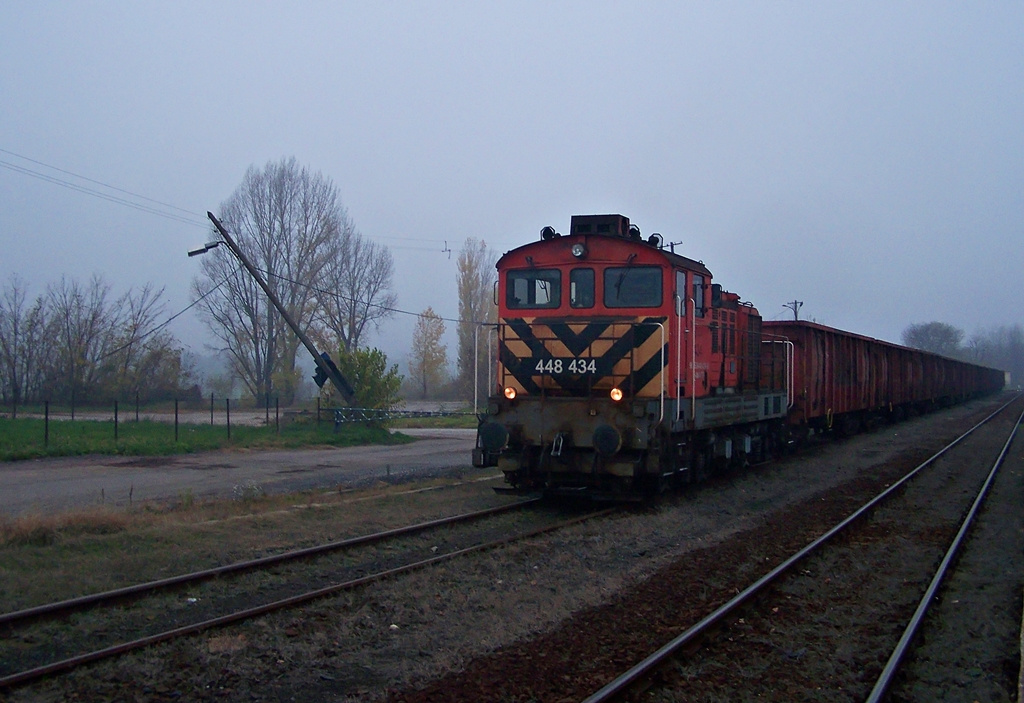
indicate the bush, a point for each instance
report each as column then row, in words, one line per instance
column 376, row 386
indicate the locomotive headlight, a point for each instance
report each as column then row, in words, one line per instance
column 616, row 394
column 510, row 392
column 579, row 250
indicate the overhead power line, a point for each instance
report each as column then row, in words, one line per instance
column 172, row 318
column 152, row 206
column 105, row 185
column 323, row 291
column 165, row 210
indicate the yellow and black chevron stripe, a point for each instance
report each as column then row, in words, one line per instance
column 575, row 358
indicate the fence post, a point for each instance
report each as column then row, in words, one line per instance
column 211, row 409
column 136, row 406
column 115, row 421
column 227, row 406
column 46, row 424
column 277, row 414
column 318, row 413
column 175, row 419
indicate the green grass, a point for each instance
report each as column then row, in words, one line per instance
column 25, row 438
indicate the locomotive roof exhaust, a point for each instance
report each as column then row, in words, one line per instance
column 613, row 225
column 604, row 225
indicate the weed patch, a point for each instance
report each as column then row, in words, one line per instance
column 45, row 530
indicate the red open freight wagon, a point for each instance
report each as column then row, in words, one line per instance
column 845, row 378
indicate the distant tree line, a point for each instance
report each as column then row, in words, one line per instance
column 1000, row 347
column 78, row 344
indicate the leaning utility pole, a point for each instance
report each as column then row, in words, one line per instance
column 326, row 369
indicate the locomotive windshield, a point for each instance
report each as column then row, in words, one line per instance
column 533, row 288
column 581, row 288
column 632, row 287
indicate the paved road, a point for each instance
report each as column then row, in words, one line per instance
column 47, row 485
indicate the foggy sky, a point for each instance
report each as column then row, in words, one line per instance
column 864, row 158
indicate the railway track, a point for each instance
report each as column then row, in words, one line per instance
column 923, row 518
column 58, row 637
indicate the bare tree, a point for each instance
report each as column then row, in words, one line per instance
column 936, row 337
column 150, row 362
column 76, row 344
column 21, row 343
column 476, row 276
column 428, row 357
column 139, row 318
column 356, row 291
column 289, row 223
column 84, row 327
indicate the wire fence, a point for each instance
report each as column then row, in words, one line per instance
column 116, row 425
column 378, row 415
column 118, row 417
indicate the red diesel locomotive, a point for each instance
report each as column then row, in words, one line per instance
column 622, row 369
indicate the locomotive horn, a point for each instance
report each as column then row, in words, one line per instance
column 549, row 233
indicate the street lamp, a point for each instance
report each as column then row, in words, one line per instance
column 205, row 248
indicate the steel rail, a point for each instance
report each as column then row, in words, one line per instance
column 136, row 590
column 626, row 681
column 885, row 679
column 64, row 665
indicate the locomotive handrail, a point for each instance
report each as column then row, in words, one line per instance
column 492, row 329
column 789, row 356
column 476, row 364
column 693, row 364
column 664, row 370
column 790, row 374
column 492, row 344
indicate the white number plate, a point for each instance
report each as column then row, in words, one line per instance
column 573, row 366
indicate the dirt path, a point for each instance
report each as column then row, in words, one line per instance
column 46, row 485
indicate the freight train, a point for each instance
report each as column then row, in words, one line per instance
column 622, row 369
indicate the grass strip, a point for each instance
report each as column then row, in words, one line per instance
column 26, row 438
